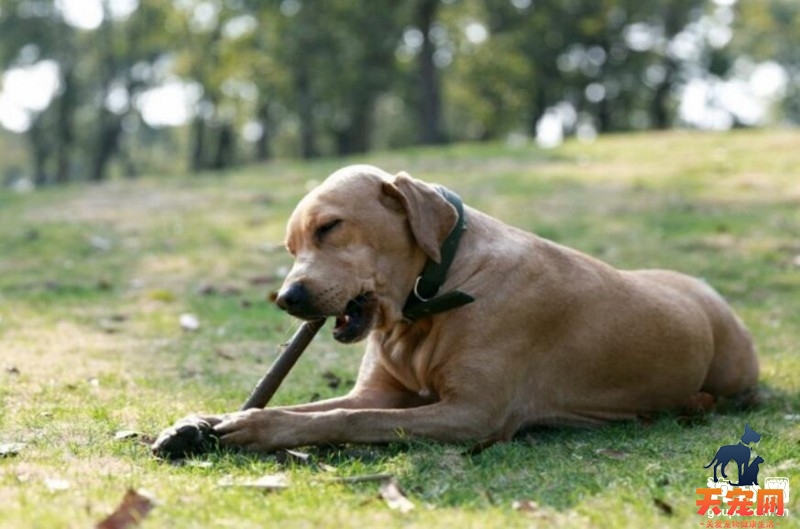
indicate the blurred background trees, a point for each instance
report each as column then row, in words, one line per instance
column 97, row 88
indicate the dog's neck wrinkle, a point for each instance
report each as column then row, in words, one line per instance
column 404, row 355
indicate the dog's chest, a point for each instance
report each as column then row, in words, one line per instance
column 408, row 355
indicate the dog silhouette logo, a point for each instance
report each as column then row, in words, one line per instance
column 724, row 496
column 740, row 453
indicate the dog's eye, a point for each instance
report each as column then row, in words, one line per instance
column 326, row 228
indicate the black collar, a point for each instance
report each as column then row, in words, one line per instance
column 423, row 301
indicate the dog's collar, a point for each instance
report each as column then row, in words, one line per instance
column 423, row 300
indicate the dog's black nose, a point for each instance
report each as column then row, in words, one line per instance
column 293, row 299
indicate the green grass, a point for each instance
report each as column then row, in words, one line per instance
column 93, row 280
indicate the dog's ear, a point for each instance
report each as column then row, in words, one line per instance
column 430, row 216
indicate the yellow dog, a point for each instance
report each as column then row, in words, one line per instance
column 475, row 329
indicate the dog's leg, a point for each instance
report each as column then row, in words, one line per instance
column 277, row 428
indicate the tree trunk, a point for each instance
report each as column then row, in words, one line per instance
column 430, row 107
column 263, row 147
column 110, row 129
column 308, row 147
column 225, row 153
column 66, row 114
column 354, row 139
column 538, row 107
column 659, row 106
column 197, row 160
column 40, row 152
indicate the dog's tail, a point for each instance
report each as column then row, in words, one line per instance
column 712, row 462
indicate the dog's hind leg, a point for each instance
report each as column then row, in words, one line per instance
column 734, row 367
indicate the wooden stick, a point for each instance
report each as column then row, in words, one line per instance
column 271, row 381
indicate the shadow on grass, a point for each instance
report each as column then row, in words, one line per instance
column 560, row 468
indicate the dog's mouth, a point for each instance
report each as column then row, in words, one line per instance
column 357, row 320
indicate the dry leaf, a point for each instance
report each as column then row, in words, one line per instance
column 525, row 506
column 394, row 497
column 100, row 243
column 189, row 322
column 56, row 484
column 293, row 456
column 364, row 478
column 613, row 454
column 133, row 435
column 11, row 449
column 224, row 354
column 130, row 512
column 663, row 506
column 268, row 482
column 126, row 434
column 12, row 370
column 332, row 380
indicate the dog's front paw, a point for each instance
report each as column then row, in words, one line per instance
column 245, row 429
column 189, row 436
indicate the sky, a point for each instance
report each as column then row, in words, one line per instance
column 704, row 103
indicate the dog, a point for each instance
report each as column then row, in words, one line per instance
column 475, row 329
column 739, row 452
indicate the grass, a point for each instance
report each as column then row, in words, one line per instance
column 93, row 280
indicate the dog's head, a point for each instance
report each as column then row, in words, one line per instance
column 359, row 241
column 750, row 436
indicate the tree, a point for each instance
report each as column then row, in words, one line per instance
column 770, row 31
column 37, row 30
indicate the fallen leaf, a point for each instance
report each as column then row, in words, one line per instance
column 327, row 468
column 133, row 435
column 663, row 506
column 130, row 512
column 490, row 497
column 207, row 290
column 394, row 496
column 268, row 482
column 56, row 484
column 364, row 478
column 11, row 449
column 189, row 322
column 525, row 506
column 293, row 456
column 100, row 243
column 165, row 296
column 123, row 435
column 332, row 379
column 223, row 354
column 194, row 463
column 12, row 370
column 611, row 453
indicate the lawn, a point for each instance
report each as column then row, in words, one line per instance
column 94, row 281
